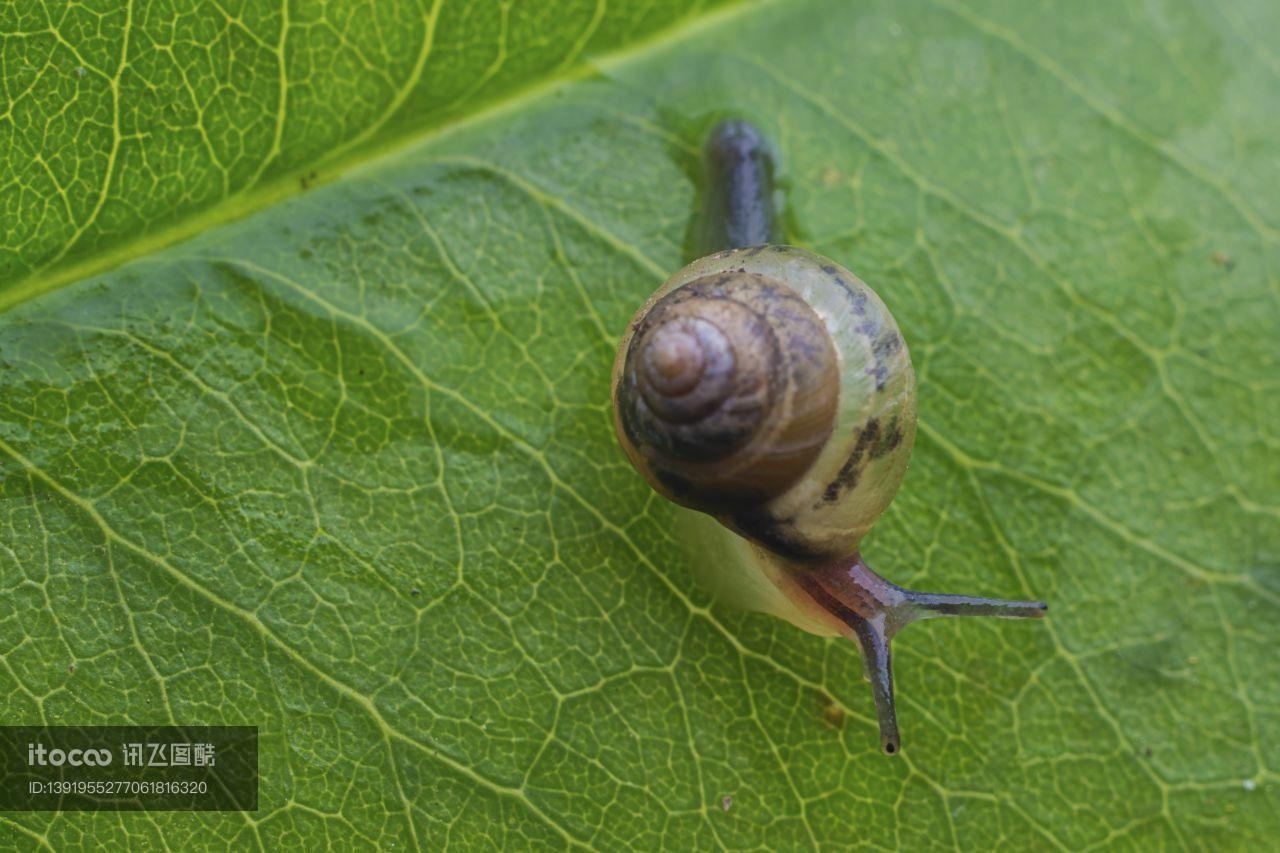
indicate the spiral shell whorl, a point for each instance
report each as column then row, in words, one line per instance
column 726, row 390
column 704, row 366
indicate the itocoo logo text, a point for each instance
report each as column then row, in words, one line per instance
column 37, row 754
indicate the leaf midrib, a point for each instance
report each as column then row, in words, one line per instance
column 350, row 158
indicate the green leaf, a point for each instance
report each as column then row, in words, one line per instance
column 344, row 468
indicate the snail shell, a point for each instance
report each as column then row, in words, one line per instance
column 771, row 388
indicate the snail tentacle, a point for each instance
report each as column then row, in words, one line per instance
column 872, row 610
column 930, row 605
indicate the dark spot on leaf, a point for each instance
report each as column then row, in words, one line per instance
column 832, row 713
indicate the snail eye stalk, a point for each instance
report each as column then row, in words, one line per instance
column 873, row 610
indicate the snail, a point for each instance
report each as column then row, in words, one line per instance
column 768, row 388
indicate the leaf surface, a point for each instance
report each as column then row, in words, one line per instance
column 344, row 468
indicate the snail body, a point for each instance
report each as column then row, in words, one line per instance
column 770, row 389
